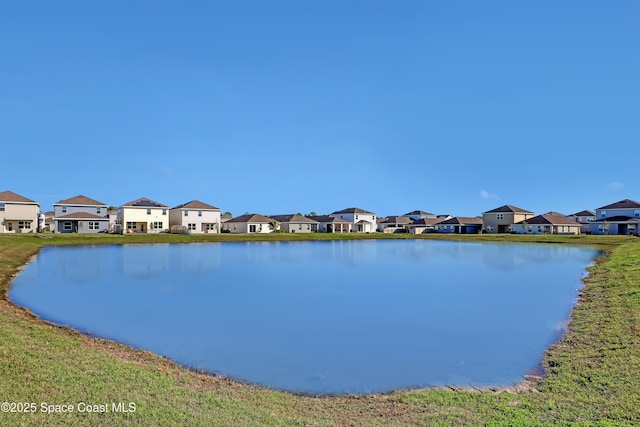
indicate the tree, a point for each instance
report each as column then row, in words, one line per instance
column 312, row 213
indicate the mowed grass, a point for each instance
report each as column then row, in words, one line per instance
column 593, row 373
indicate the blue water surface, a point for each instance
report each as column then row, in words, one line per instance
column 319, row 317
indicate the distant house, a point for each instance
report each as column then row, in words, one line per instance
column 460, row 225
column 362, row 221
column 416, row 215
column 296, row 223
column 194, row 217
column 250, row 223
column 393, row 224
column 621, row 217
column 143, row 216
column 549, row 223
column 585, row 218
column 49, row 223
column 331, row 224
column 80, row 214
column 425, row 225
column 17, row 213
column 501, row 220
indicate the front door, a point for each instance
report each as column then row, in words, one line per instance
column 10, row 226
column 142, row 228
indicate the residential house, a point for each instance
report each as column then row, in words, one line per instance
column 549, row 223
column 394, row 224
column 49, row 223
column 143, row 216
column 331, row 224
column 362, row 221
column 460, row 225
column 424, row 225
column 195, row 217
column 296, row 223
column 80, row 214
column 585, row 218
column 501, row 220
column 621, row 217
column 416, row 215
column 17, row 213
column 251, row 223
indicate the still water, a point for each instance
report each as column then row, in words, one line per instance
column 319, row 317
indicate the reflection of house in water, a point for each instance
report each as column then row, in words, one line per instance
column 145, row 261
column 510, row 256
column 194, row 259
column 79, row 265
column 354, row 252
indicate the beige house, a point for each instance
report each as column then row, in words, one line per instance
column 296, row 223
column 501, row 220
column 424, row 225
column 331, row 224
column 143, row 216
column 549, row 223
column 394, row 224
column 251, row 223
column 194, row 217
column 17, row 213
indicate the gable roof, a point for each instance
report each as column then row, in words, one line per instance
column 550, row 218
column 196, row 204
column 426, row 222
column 584, row 213
column 143, row 202
column 80, row 200
column 10, row 196
column 252, row 218
column 418, row 212
column 328, row 218
column 508, row 209
column 623, row 204
column 352, row 211
column 462, row 220
column 82, row 215
column 295, row 218
column 396, row 220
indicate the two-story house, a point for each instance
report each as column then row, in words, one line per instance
column 621, row 217
column 585, row 218
column 143, row 216
column 17, row 213
column 195, row 217
column 361, row 221
column 501, row 220
column 80, row 214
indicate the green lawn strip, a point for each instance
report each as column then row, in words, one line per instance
column 592, row 372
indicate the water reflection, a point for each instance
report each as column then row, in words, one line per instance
column 319, row 317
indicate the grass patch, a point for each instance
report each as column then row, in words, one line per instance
column 592, row 373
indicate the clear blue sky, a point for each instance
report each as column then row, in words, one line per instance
column 296, row 106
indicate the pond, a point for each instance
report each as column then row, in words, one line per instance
column 320, row 317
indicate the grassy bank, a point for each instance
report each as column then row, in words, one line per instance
column 592, row 374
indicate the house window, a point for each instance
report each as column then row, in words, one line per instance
column 157, row 225
column 24, row 225
column 299, row 226
column 489, row 227
column 539, row 229
column 500, row 216
column 636, row 213
column 601, row 227
column 199, row 213
column 66, row 225
column 164, row 211
column 148, row 211
column 186, row 213
column 209, row 226
column 252, row 228
column 131, row 225
column 530, row 229
column 94, row 225
column 603, row 214
column 64, row 209
column 98, row 210
column 191, row 226
column 1, row 207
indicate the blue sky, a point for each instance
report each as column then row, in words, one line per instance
column 289, row 106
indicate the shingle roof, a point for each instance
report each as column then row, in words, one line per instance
column 508, row 209
column 421, row 213
column 353, row 211
column 82, row 215
column 144, row 203
column 550, row 218
column 293, row 218
column 584, row 213
column 80, row 200
column 396, row 220
column 619, row 218
column 252, row 218
column 328, row 218
column 463, row 220
column 623, row 204
column 10, row 196
column 427, row 221
column 196, row 204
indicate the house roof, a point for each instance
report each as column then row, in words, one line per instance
column 144, row 203
column 426, row 222
column 550, row 218
column 584, row 213
column 508, row 209
column 619, row 218
column 252, row 218
column 421, row 213
column 293, row 218
column 352, row 211
column 80, row 200
column 328, row 218
column 10, row 196
column 462, row 220
column 623, row 204
column 82, row 215
column 396, row 220
column 196, row 204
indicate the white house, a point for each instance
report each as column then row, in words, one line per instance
column 362, row 221
column 80, row 214
column 251, row 223
column 17, row 213
column 621, row 217
column 195, row 217
column 330, row 224
column 143, row 216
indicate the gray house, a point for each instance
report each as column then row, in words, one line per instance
column 296, row 223
column 621, row 217
column 80, row 214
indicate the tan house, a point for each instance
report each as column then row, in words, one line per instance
column 251, row 223
column 296, row 223
column 394, row 224
column 585, row 218
column 424, row 225
column 143, row 216
column 549, row 223
column 501, row 220
column 194, row 217
column 17, row 213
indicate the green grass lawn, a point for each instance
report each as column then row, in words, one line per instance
column 593, row 373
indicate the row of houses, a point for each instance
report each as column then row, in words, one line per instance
column 81, row 214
